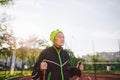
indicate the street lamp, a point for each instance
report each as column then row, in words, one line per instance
column 94, row 59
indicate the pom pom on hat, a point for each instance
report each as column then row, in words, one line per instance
column 53, row 34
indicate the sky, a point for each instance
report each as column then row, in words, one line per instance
column 88, row 25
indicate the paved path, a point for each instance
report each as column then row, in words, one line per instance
column 84, row 77
column 101, row 77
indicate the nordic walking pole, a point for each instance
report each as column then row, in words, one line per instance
column 44, row 72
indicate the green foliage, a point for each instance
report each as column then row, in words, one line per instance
column 5, row 53
column 5, row 2
column 73, row 59
column 33, row 56
column 80, row 59
column 2, row 32
column 3, row 77
column 116, row 66
column 30, row 50
column 17, row 73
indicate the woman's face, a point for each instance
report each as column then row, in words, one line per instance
column 59, row 40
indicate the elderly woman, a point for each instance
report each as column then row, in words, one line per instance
column 53, row 62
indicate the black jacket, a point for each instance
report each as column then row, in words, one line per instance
column 58, row 65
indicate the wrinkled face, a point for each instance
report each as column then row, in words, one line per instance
column 59, row 40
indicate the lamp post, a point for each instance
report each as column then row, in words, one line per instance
column 119, row 45
column 94, row 59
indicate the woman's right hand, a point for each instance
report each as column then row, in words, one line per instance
column 43, row 65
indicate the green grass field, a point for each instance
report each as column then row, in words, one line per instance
column 4, row 76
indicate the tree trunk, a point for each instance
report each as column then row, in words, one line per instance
column 12, row 62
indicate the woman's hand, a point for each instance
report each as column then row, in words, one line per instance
column 43, row 65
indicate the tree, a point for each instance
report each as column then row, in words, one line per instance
column 30, row 49
column 116, row 66
column 7, row 39
column 33, row 56
column 5, row 2
column 5, row 53
column 80, row 59
column 73, row 59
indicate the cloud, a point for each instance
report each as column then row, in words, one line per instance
column 107, row 35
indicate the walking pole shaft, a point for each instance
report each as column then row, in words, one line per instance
column 44, row 72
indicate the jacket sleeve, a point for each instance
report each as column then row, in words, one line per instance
column 36, row 72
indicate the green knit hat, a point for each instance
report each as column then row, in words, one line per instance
column 53, row 34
